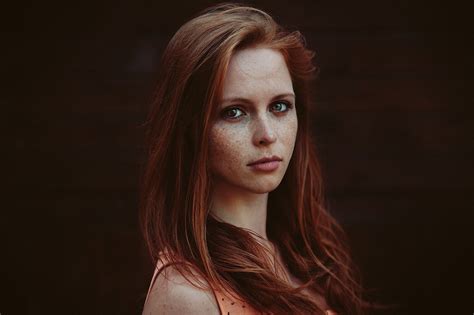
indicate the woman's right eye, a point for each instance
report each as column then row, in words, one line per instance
column 233, row 113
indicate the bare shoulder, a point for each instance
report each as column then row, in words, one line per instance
column 173, row 294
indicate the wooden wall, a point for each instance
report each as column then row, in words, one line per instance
column 392, row 129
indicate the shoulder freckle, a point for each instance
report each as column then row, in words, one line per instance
column 172, row 294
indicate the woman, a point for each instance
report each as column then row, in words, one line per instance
column 231, row 208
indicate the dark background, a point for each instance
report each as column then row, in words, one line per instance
column 392, row 128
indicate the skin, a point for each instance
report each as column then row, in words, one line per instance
column 172, row 294
column 264, row 124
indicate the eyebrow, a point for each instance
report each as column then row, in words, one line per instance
column 244, row 100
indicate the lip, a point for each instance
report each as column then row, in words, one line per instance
column 273, row 158
column 266, row 166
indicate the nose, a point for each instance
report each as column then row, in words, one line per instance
column 264, row 133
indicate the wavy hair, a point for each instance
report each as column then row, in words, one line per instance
column 176, row 182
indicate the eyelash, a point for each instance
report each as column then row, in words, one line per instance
column 287, row 104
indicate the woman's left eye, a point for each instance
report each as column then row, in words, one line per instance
column 280, row 107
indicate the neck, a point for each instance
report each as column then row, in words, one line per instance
column 240, row 207
column 245, row 209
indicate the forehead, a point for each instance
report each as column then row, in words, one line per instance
column 257, row 72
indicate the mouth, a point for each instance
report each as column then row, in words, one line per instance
column 273, row 158
column 266, row 164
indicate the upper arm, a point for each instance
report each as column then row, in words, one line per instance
column 172, row 294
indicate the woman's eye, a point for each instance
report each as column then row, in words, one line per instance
column 280, row 107
column 233, row 113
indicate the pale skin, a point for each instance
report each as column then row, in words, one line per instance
column 257, row 118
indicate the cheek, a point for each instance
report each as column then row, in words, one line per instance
column 289, row 130
column 226, row 147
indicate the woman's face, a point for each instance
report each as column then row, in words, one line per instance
column 256, row 119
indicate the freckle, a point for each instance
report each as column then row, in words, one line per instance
column 232, row 303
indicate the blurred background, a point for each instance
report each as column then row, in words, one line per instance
column 392, row 128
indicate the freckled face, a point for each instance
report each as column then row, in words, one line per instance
column 256, row 119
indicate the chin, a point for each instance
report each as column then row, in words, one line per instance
column 263, row 190
column 257, row 185
column 264, row 186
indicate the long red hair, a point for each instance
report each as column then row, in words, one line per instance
column 176, row 182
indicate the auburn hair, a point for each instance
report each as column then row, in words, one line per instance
column 176, row 182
